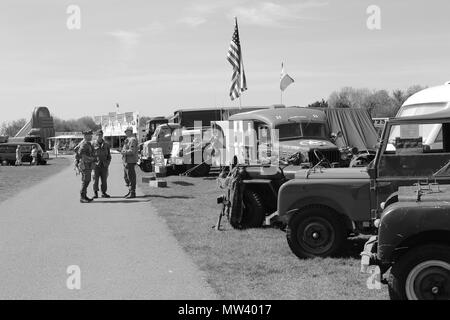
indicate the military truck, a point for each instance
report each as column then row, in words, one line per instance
column 304, row 140
column 413, row 242
column 322, row 206
column 152, row 124
column 162, row 136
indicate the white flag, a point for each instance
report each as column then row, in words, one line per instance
column 285, row 80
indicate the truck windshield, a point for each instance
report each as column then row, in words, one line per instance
column 291, row 131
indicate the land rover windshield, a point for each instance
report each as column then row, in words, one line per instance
column 296, row 130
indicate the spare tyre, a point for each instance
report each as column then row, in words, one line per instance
column 253, row 214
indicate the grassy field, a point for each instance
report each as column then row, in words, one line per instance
column 252, row 264
column 14, row 179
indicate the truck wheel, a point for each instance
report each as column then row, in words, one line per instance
column 316, row 231
column 146, row 166
column 253, row 211
column 423, row 273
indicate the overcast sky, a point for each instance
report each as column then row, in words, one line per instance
column 158, row 56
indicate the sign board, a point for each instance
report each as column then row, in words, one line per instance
column 158, row 157
column 114, row 124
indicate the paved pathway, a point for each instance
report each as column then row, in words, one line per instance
column 123, row 249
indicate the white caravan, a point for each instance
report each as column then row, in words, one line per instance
column 427, row 101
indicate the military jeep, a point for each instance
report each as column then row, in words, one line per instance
column 323, row 206
column 414, row 243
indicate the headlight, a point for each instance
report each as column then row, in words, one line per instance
column 382, row 205
column 376, row 223
column 344, row 156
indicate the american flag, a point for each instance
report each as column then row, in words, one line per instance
column 238, row 81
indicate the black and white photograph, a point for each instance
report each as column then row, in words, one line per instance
column 224, row 155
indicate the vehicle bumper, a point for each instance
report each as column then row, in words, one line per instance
column 369, row 254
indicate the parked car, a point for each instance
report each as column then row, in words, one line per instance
column 322, row 206
column 413, row 242
column 8, row 152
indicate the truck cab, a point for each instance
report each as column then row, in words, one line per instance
column 152, row 124
column 161, row 138
column 273, row 134
column 322, row 206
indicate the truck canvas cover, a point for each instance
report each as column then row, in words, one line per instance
column 356, row 126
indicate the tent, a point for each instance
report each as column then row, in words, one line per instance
column 356, row 126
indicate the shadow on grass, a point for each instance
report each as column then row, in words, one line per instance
column 182, row 183
column 352, row 248
column 119, row 201
column 166, row 197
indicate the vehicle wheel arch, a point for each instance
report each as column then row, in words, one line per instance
column 303, row 204
column 422, row 238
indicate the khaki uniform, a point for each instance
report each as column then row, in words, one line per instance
column 103, row 159
column 130, row 158
column 86, row 164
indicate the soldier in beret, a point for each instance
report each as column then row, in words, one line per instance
column 87, row 158
column 103, row 159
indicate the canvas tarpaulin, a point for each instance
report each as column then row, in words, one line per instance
column 356, row 127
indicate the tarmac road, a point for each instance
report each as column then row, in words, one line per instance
column 122, row 248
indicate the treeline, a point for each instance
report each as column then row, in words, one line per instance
column 12, row 127
column 74, row 125
column 379, row 103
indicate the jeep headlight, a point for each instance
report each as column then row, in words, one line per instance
column 377, row 223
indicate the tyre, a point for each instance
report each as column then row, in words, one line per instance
column 146, row 166
column 253, row 210
column 316, row 231
column 423, row 273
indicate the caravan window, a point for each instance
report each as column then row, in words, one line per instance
column 420, row 109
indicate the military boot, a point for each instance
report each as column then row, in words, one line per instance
column 127, row 195
column 131, row 195
column 95, row 194
column 85, row 199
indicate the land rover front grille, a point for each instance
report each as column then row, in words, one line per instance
column 330, row 155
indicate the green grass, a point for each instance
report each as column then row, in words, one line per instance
column 15, row 179
column 256, row 263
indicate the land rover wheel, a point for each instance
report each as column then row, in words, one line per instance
column 423, row 273
column 315, row 231
column 253, row 211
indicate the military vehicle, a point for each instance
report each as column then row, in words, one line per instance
column 413, row 242
column 322, row 206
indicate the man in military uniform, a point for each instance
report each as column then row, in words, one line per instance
column 103, row 159
column 87, row 158
column 130, row 158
